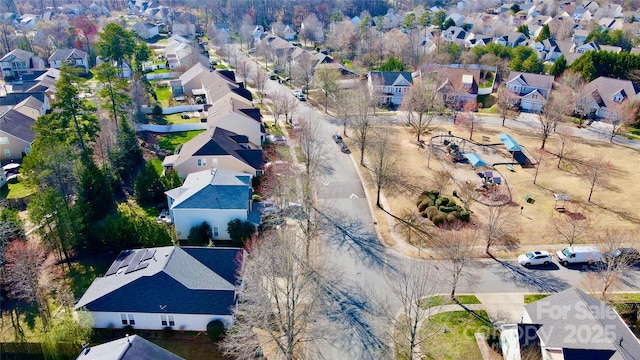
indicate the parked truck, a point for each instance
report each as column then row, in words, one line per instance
column 578, row 254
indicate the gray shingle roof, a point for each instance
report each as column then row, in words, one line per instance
column 13, row 99
column 128, row 348
column 19, row 54
column 562, row 315
column 66, row 54
column 221, row 142
column 213, row 189
column 18, row 124
column 603, row 88
column 174, row 280
column 389, row 77
column 534, row 80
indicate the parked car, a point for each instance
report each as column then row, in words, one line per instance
column 301, row 97
column 578, row 254
column 164, row 217
column 344, row 148
column 273, row 76
column 276, row 139
column 337, row 138
column 185, row 116
column 251, row 51
column 628, row 255
column 535, row 258
column 295, row 92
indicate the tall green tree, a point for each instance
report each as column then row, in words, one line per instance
column 114, row 91
column 524, row 29
column 439, row 18
column 559, row 66
column 148, row 188
column 116, row 44
column 95, row 195
column 70, row 111
column 392, row 64
column 127, row 157
column 545, row 33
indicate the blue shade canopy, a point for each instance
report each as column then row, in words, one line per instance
column 475, row 160
column 509, row 142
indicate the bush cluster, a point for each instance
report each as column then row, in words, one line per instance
column 440, row 210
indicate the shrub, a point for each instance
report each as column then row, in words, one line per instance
column 439, row 218
column 423, row 205
column 420, row 199
column 431, row 211
column 455, row 213
column 451, row 218
column 157, row 109
column 442, row 201
column 424, row 193
column 215, row 330
column 424, row 214
column 167, row 331
column 451, row 203
column 464, row 215
column 447, row 209
column 128, row 329
column 200, row 235
column 433, row 194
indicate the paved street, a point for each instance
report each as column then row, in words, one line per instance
column 360, row 261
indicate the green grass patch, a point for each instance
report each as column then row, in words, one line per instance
column 172, row 140
column 529, row 298
column 440, row 300
column 17, row 190
column 625, row 297
column 19, row 317
column 173, row 119
column 86, row 269
column 157, row 165
column 159, row 71
column 487, row 101
column 163, row 94
column 454, row 334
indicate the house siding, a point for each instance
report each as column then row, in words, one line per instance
column 15, row 146
column 148, row 321
column 226, row 162
column 185, row 219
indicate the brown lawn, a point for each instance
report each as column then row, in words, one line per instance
column 611, row 207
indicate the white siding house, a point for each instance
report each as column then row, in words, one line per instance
column 215, row 196
column 389, row 86
column 183, row 288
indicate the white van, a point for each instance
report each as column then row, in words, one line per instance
column 578, row 254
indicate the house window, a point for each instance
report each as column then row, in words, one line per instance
column 215, row 231
column 201, row 162
column 7, row 153
column 4, row 140
column 123, row 317
column 167, row 320
column 27, row 151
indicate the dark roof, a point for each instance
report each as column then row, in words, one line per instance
column 243, row 92
column 218, row 197
column 579, row 309
column 229, row 74
column 224, row 142
column 178, row 280
column 252, row 113
column 18, row 124
column 15, row 98
column 389, row 77
column 128, row 348
column 66, row 54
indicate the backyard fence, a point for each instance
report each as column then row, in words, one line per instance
column 37, row 351
column 171, row 128
column 163, row 76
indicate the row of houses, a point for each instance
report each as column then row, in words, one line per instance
column 19, row 62
column 601, row 98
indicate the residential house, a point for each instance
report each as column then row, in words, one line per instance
column 73, row 9
column 222, row 33
column 389, row 86
column 180, row 54
column 548, row 50
column 478, row 39
column 74, row 57
column 591, row 46
column 235, row 113
column 288, row 33
column 531, row 90
column 28, row 22
column 146, row 30
column 200, row 82
column 11, row 100
column 580, row 36
column 511, row 39
column 609, row 11
column 183, row 288
column 16, row 135
column 455, row 34
column 18, row 62
column 458, row 85
column 556, row 325
column 31, row 107
column 458, row 19
column 215, row 196
column 131, row 347
column 216, row 147
column 125, row 69
column 257, row 34
column 605, row 97
column 611, row 24
column 185, row 30
column 584, row 12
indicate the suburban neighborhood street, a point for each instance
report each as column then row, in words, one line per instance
column 364, row 264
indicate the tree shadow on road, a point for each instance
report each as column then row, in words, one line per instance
column 534, row 280
column 359, row 240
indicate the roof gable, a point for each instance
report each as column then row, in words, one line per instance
column 18, row 125
column 131, row 347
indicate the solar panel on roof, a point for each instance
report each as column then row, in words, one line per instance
column 135, row 261
column 123, row 259
column 142, row 265
column 149, row 254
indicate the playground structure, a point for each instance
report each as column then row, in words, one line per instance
column 472, row 163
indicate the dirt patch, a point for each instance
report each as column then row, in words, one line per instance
column 613, row 206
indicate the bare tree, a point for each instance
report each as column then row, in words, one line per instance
column 469, row 120
column 312, row 29
column 421, row 103
column 242, row 70
column 246, row 30
column 413, row 228
column 551, row 114
column 440, row 180
column 573, row 89
column 595, row 173
column 571, row 226
column 540, row 156
column 623, row 114
column 259, row 79
column 383, row 158
column 287, row 104
column 615, row 260
column 498, row 224
column 456, row 245
column 302, row 72
column 410, row 287
column 362, row 118
column 565, row 136
column 326, row 80
column 281, row 298
column 506, row 99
